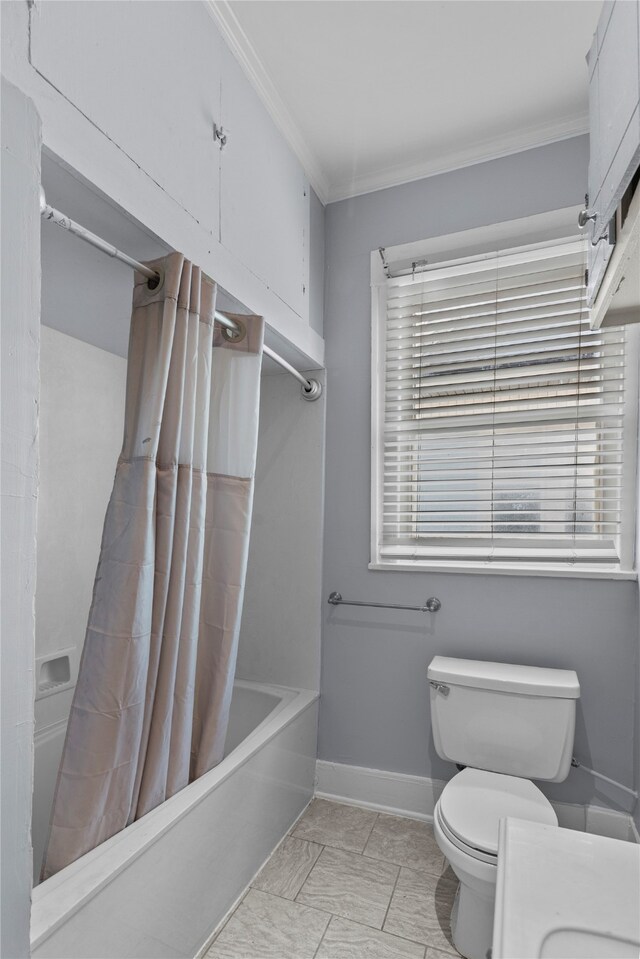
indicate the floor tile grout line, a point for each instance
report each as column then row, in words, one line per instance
column 373, row 826
column 320, row 855
column 331, row 916
column 387, row 862
column 327, row 912
column 391, row 935
column 347, row 918
column 390, row 900
column 277, row 895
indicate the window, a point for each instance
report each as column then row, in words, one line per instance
column 504, row 427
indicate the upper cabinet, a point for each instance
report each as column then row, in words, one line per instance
column 614, row 128
column 264, row 193
column 148, row 80
column 614, row 108
column 129, row 95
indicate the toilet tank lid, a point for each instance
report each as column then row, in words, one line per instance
column 506, row 677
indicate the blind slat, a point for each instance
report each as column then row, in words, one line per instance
column 502, row 411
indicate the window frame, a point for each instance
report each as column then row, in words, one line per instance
column 529, row 230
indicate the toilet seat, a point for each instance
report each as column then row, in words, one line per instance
column 473, row 803
column 469, row 851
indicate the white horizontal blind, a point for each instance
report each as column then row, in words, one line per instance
column 503, row 414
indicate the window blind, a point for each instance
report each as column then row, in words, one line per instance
column 503, row 414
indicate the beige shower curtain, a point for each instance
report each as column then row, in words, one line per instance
column 151, row 704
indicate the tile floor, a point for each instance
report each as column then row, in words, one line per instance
column 346, row 883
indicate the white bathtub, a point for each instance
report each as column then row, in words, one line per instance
column 160, row 887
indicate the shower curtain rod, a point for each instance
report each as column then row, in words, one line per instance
column 311, row 388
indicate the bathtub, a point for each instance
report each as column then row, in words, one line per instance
column 160, row 887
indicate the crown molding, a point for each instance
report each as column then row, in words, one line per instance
column 540, row 135
column 381, row 179
column 245, row 54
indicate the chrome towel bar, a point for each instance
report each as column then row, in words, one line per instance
column 431, row 605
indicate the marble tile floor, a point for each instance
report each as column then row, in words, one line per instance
column 346, row 883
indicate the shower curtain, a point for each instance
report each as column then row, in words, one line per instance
column 151, row 703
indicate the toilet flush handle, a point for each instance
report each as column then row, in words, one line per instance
column 441, row 687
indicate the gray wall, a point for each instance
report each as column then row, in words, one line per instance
column 374, row 708
column 19, row 481
column 280, row 633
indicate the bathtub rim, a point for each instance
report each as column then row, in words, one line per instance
column 57, row 899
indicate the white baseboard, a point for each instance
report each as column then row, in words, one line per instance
column 416, row 796
column 396, row 793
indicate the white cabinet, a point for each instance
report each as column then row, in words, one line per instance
column 264, row 194
column 153, row 79
column 148, row 77
column 614, row 120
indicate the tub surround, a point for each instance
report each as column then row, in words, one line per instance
column 160, row 876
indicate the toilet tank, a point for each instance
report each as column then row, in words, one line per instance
column 517, row 720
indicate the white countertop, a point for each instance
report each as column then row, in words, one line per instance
column 562, row 894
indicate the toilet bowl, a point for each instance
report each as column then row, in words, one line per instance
column 507, row 724
column 466, row 823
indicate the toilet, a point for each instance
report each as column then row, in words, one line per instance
column 506, row 725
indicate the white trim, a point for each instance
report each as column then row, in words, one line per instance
column 244, row 52
column 459, row 566
column 474, row 245
column 629, row 499
column 378, row 312
column 415, row 797
column 538, row 228
column 395, row 793
column 480, row 152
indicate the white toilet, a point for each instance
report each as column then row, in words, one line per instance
column 507, row 725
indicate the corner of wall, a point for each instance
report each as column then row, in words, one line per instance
column 21, row 142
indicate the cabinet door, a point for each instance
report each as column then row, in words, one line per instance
column 110, row 60
column 614, row 124
column 615, row 94
column 264, row 194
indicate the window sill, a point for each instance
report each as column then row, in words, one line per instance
column 497, row 569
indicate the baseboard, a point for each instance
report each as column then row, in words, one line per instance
column 395, row 793
column 415, row 797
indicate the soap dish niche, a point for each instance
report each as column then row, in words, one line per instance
column 56, row 672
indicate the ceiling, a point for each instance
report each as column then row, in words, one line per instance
column 371, row 93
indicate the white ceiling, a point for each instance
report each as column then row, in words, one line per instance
column 371, row 93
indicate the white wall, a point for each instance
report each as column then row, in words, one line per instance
column 19, row 479
column 280, row 634
column 82, row 393
column 128, row 94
